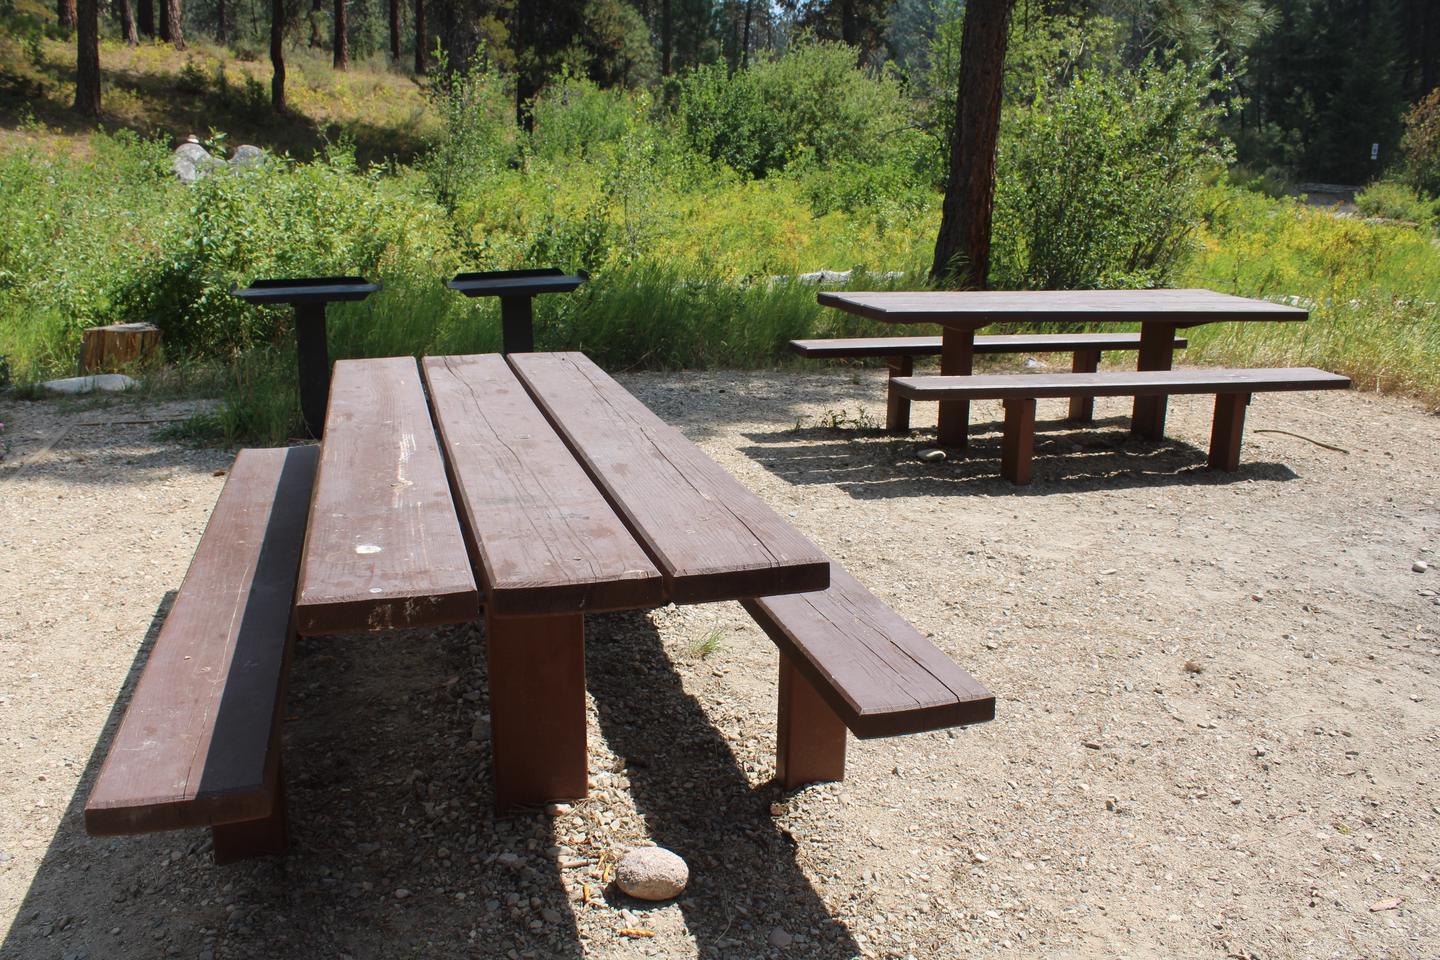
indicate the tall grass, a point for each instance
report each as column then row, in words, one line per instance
column 1373, row 292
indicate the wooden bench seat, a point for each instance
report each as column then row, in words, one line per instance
column 849, row 661
column 1232, row 389
column 900, row 354
column 199, row 745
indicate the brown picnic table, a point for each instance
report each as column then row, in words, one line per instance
column 536, row 487
column 1160, row 313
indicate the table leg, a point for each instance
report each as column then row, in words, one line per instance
column 897, row 408
column 1157, row 348
column 268, row 836
column 312, row 357
column 537, row 708
column 810, row 747
column 957, row 359
column 1082, row 409
column 517, row 324
column 1227, row 430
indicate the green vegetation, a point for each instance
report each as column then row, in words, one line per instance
column 694, row 205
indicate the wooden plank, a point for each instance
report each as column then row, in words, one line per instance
column 977, row 308
column 1082, row 409
column 537, row 709
column 810, row 740
column 542, row 538
column 897, row 408
column 384, row 548
column 711, row 538
column 194, row 748
column 1147, row 418
column 957, row 359
column 1227, row 429
column 988, row 344
column 1119, row 383
column 1017, row 446
column 877, row 672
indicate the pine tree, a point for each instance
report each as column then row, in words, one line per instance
column 87, row 58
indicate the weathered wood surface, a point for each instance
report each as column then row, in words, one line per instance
column 116, row 346
column 384, row 548
column 711, row 538
column 988, row 344
column 198, row 745
column 1118, row 383
column 977, row 308
column 879, row 674
column 543, row 539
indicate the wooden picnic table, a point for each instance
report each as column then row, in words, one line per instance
column 1160, row 313
column 570, row 497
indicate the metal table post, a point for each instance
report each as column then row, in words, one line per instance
column 516, row 290
column 309, row 296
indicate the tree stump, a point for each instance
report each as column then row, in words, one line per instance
column 120, row 345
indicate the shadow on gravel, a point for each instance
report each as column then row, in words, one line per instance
column 696, row 800
column 394, row 849
column 871, row 464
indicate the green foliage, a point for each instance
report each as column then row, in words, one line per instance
column 813, row 103
column 1421, row 144
column 477, row 136
column 1097, row 182
column 1397, row 201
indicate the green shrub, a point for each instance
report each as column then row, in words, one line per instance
column 1420, row 144
column 1397, row 201
column 812, row 103
column 1098, row 183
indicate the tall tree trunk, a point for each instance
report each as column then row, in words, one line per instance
column 667, row 32
column 964, row 240
column 342, row 37
column 277, row 55
column 220, row 36
column 421, row 41
column 87, row 58
column 395, row 31
column 315, row 37
column 127, row 22
column 172, row 29
column 65, row 10
column 745, row 37
column 145, row 14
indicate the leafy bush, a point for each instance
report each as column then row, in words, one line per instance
column 1097, row 182
column 1397, row 201
column 1421, row 144
column 813, row 102
column 478, row 135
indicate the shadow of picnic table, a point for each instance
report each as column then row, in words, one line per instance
column 871, row 464
column 395, row 850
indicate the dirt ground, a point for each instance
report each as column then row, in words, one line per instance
column 1216, row 731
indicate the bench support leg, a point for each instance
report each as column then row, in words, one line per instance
column 811, row 741
column 1082, row 409
column 1157, row 350
column 537, row 708
column 897, row 408
column 957, row 359
column 1017, row 447
column 268, row 836
column 1226, row 432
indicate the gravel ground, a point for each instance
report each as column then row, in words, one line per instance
column 1216, row 731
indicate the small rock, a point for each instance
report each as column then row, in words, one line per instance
column 104, row 382
column 930, row 455
column 1194, row 666
column 550, row 915
column 652, row 873
column 780, row 938
column 1419, row 566
column 247, row 155
column 401, row 893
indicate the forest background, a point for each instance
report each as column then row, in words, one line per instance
column 697, row 158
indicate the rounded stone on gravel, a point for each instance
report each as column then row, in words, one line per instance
column 652, row 873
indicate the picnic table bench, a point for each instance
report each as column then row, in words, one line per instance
column 900, row 354
column 542, row 490
column 1232, row 389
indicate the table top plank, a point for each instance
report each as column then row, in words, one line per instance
column 711, row 537
column 542, row 538
column 1118, row 383
column 998, row 343
column 977, row 308
column 384, row 548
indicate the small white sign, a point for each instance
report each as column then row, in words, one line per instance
column 1374, row 151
